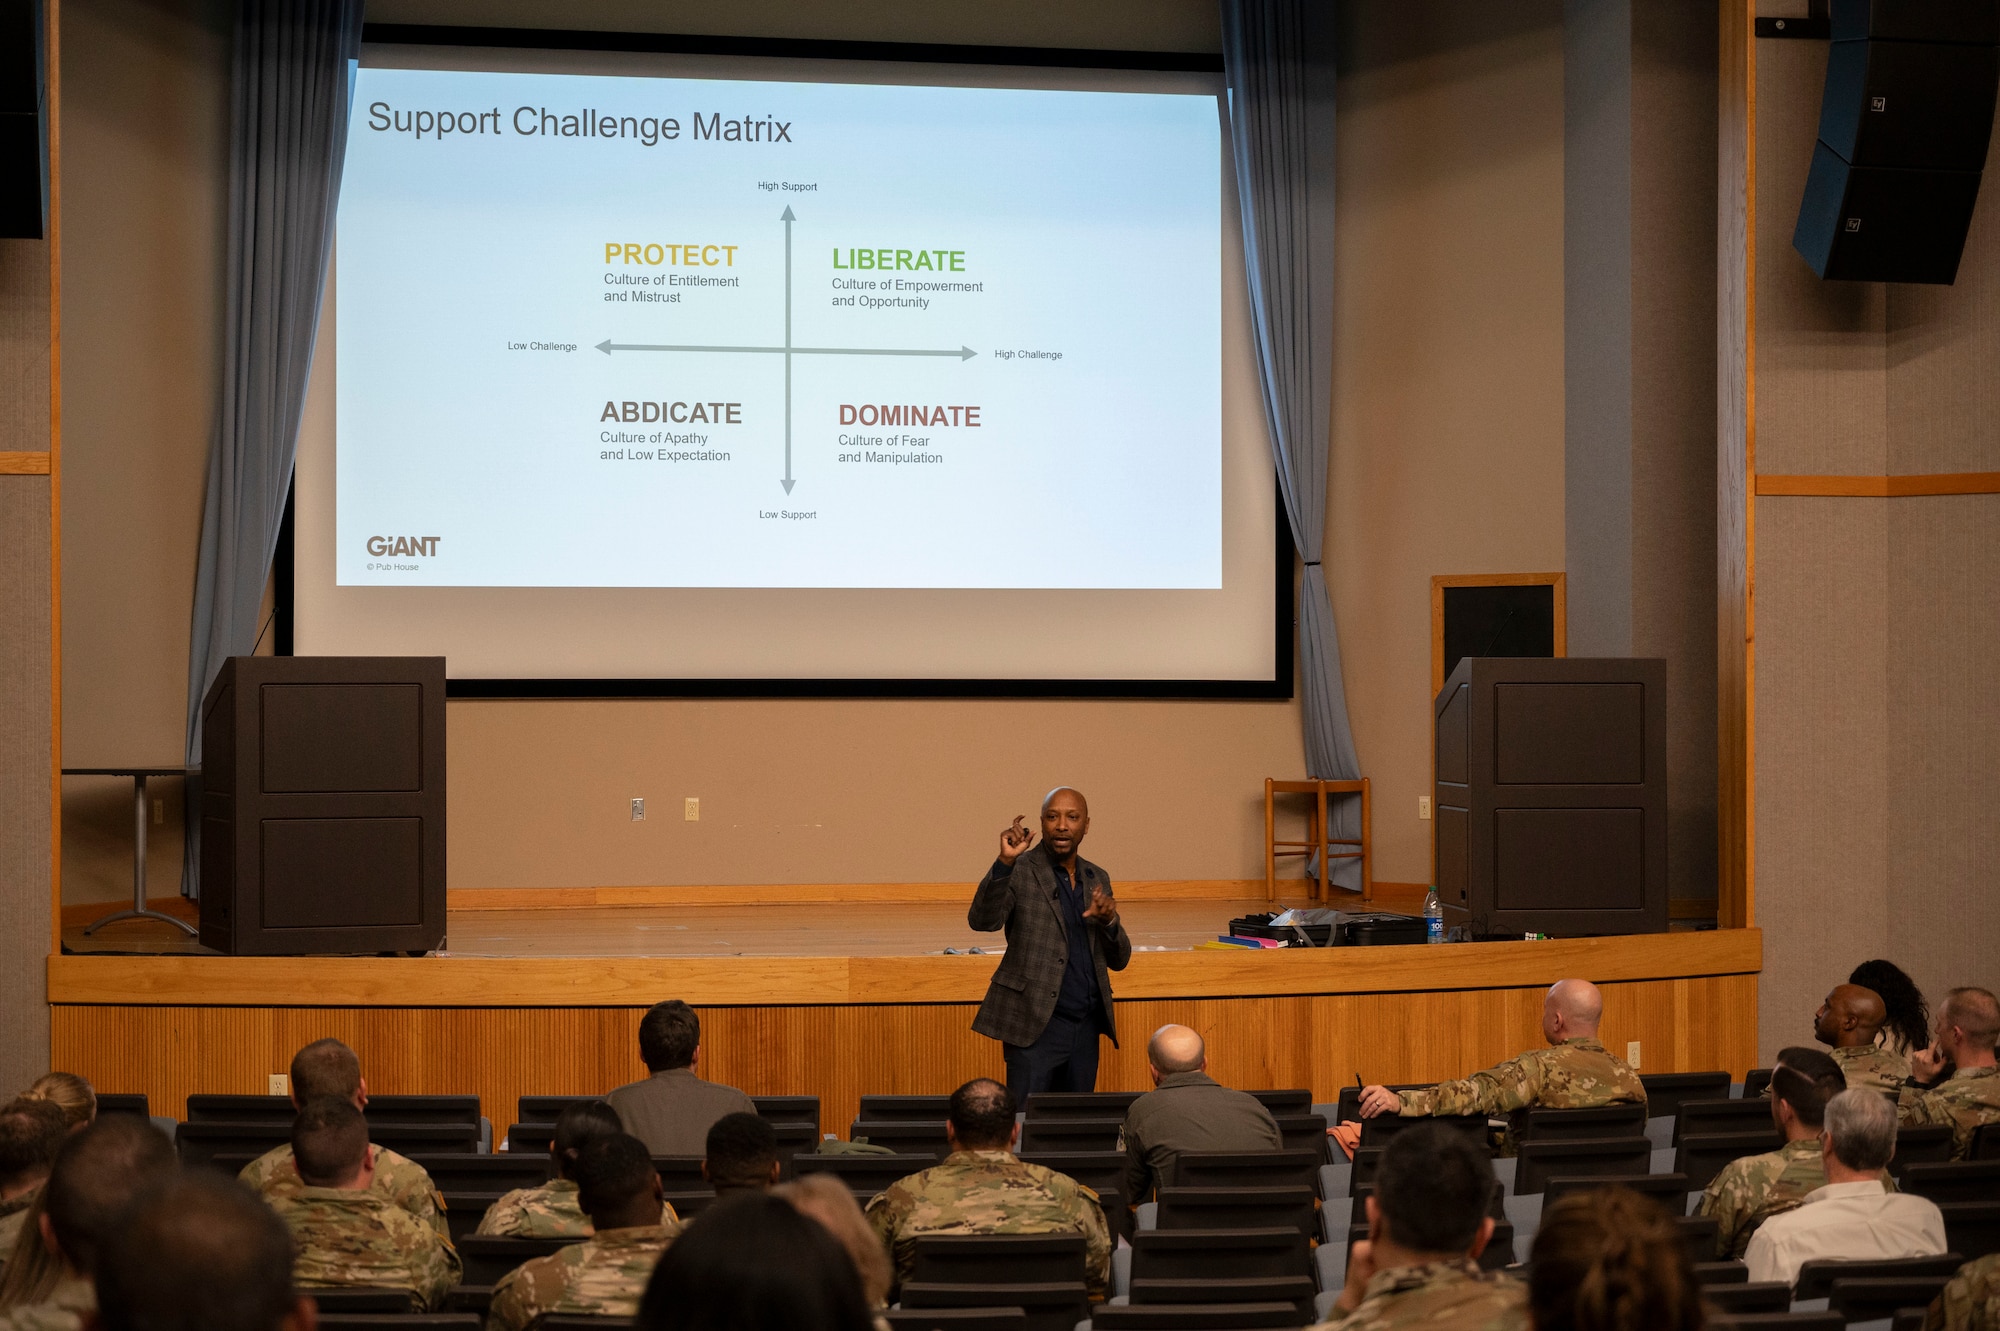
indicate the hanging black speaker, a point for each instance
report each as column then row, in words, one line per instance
column 1904, row 125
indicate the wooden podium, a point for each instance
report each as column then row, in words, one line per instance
column 323, row 805
column 1551, row 796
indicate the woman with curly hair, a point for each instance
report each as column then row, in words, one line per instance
column 1908, row 1027
column 1612, row 1260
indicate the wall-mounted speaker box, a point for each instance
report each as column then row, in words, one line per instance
column 24, row 174
column 1550, row 802
column 323, row 805
column 1905, row 122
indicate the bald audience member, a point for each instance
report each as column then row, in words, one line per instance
column 31, row 1133
column 329, row 1070
column 1190, row 1111
column 1848, row 1022
column 97, row 1174
column 200, row 1252
column 1967, row 1024
column 1574, row 1072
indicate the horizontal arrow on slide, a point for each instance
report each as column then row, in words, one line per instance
column 963, row 353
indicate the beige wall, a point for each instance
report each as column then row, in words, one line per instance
column 1448, row 458
column 1875, row 722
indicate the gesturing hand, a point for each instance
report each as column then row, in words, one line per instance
column 1379, row 1100
column 1102, row 908
column 1015, row 839
column 1927, row 1063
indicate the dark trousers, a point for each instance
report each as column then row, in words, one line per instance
column 1064, row 1058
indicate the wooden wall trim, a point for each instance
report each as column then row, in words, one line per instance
column 1441, row 581
column 1882, row 487
column 639, row 981
column 815, row 894
column 24, row 464
column 1736, row 465
column 52, row 60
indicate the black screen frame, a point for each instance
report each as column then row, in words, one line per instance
column 1280, row 684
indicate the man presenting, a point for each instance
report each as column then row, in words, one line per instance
column 1051, row 996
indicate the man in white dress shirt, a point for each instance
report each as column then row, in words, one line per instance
column 1852, row 1218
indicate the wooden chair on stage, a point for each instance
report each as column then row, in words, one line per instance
column 1317, row 841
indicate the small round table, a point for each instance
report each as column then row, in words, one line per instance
column 139, row 775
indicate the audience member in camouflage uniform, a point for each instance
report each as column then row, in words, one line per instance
column 1608, row 1257
column 1848, row 1021
column 1750, row 1189
column 200, row 1252
column 1968, row 1022
column 551, row 1210
column 347, row 1232
column 97, row 1174
column 1971, row 1301
column 1427, row 1225
column 604, row 1276
column 1575, row 1072
column 982, row 1188
column 328, row 1069
column 31, row 1132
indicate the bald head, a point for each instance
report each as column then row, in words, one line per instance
column 1968, row 1024
column 1572, row 1009
column 1068, row 792
column 1065, row 819
column 1849, row 1017
column 1176, row 1049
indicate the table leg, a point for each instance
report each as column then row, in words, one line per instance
column 139, row 909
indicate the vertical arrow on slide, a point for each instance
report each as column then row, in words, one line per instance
column 788, row 220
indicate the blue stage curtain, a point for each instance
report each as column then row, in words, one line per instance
column 288, row 133
column 1277, row 58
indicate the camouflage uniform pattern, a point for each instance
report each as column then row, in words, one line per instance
column 63, row 1311
column 603, row 1277
column 990, row 1192
column 1870, row 1067
column 363, row 1238
column 402, row 1180
column 552, row 1211
column 1969, row 1098
column 1751, row 1190
column 1971, row 1302
column 1579, row 1073
column 1451, row 1296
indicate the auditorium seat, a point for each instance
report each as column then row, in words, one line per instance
column 1304, row 1132
column 1236, row 1208
column 903, row 1136
column 1699, row 1233
column 1878, row 1298
column 956, row 1319
column 240, row 1109
column 1604, row 1121
column 545, row 1108
column 1184, row 1254
column 1665, row 1091
column 923, row 1108
column 464, row 1210
column 1909, row 1319
column 1292, row 1100
column 1081, row 1104
column 199, row 1144
column 1971, row 1229
column 335, row 1321
column 1497, row 1255
column 1816, row 1277
column 1228, row 1169
column 865, row 1174
column 1825, row 1321
column 776, row 1109
column 530, row 1138
column 580, row 1322
column 998, row 1259
column 361, row 1299
column 424, row 1138
column 1538, row 1161
column 1297, row 1290
column 1750, row 1296
column 1071, row 1134
column 490, row 1175
column 1928, row 1144
column 1953, row 1180
column 691, row 1202
column 123, row 1102
column 1702, row 1157
column 1669, row 1190
column 1096, row 1170
column 1754, row 1082
column 1708, row 1117
column 1194, row 1317
column 1720, row 1273
column 453, row 1110
column 1985, row 1143
column 487, row 1258
column 1348, row 1103
column 680, row 1173
column 1048, row 1305
column 1376, row 1132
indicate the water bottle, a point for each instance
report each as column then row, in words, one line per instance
column 1433, row 918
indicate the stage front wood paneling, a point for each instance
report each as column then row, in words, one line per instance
column 843, row 1026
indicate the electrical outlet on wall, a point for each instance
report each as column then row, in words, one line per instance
column 639, row 811
column 1423, row 806
column 1632, row 1054
column 691, row 809
column 278, row 1083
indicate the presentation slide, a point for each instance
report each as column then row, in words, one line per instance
column 618, row 332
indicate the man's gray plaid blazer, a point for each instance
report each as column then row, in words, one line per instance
column 1022, row 997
